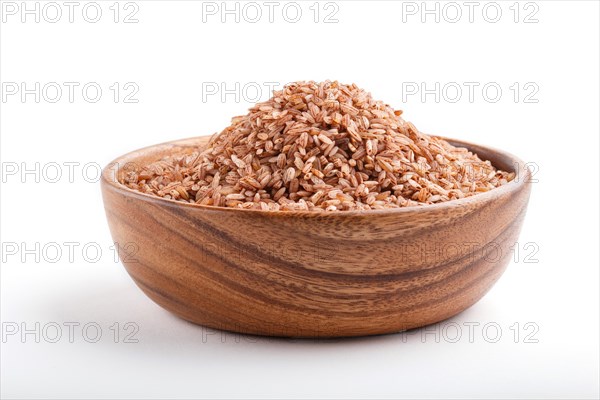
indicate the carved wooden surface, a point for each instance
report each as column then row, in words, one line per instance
column 307, row 274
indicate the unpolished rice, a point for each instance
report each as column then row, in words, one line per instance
column 320, row 147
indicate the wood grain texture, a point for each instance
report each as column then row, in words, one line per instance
column 306, row 274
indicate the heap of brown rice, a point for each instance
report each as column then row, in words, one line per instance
column 319, row 146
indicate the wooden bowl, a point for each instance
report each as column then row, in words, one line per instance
column 307, row 274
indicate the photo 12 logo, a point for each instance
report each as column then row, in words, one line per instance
column 453, row 12
column 473, row 331
column 50, row 172
column 253, row 12
column 470, row 92
column 68, row 252
column 69, row 331
column 69, row 92
column 53, row 12
column 247, row 92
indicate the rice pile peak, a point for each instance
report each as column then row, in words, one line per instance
column 321, row 147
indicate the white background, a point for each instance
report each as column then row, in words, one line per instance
column 173, row 56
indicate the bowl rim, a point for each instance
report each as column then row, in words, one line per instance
column 523, row 178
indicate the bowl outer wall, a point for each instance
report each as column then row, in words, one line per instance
column 307, row 274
